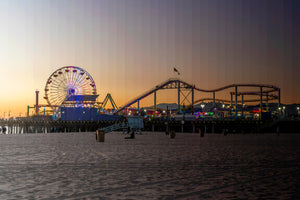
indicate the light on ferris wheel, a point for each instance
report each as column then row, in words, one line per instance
column 68, row 81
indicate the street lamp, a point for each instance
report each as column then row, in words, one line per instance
column 298, row 110
column 279, row 111
column 202, row 106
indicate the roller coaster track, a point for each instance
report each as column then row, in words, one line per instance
column 169, row 84
column 173, row 83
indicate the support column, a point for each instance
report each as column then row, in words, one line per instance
column 267, row 102
column 192, row 101
column 178, row 82
column 139, row 108
column 36, row 102
column 214, row 100
column 154, row 104
column 236, row 105
column 261, row 106
column 231, row 103
column 242, row 105
column 279, row 103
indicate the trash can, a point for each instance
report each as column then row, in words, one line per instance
column 172, row 134
column 223, row 132
column 100, row 135
column 201, row 133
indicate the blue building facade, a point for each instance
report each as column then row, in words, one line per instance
column 85, row 114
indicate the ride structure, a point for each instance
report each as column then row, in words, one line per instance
column 71, row 94
column 109, row 98
column 71, row 91
column 263, row 94
column 70, row 86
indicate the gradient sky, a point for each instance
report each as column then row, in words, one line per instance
column 129, row 46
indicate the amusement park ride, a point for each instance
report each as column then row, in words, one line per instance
column 70, row 87
column 72, row 90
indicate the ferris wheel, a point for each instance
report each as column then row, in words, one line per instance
column 68, row 81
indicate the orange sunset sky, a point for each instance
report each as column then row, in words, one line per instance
column 129, row 46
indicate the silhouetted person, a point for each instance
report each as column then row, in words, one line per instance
column 132, row 135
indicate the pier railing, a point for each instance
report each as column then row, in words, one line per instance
column 115, row 127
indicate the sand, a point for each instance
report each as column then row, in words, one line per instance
column 151, row 166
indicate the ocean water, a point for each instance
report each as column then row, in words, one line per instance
column 152, row 166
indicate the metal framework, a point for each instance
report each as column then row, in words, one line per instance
column 265, row 93
column 68, row 81
column 109, row 97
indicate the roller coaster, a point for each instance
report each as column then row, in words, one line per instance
column 263, row 94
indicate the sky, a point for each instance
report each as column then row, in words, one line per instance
column 129, row 46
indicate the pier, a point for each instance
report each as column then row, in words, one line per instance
column 47, row 125
column 230, row 108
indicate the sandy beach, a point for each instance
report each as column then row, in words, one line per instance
column 151, row 166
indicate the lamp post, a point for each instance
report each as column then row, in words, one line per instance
column 298, row 111
column 202, row 106
column 283, row 110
